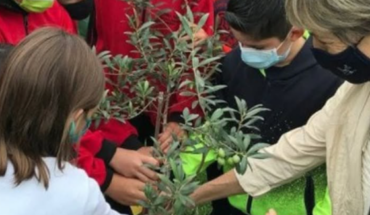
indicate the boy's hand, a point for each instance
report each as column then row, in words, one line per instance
column 198, row 37
column 126, row 191
column 165, row 138
column 130, row 164
column 148, row 151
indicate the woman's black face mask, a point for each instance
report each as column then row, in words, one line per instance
column 351, row 64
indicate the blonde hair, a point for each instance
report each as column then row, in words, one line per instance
column 349, row 20
column 48, row 76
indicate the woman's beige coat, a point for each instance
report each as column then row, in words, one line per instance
column 336, row 134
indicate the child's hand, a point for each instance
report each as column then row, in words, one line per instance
column 198, row 36
column 165, row 138
column 130, row 164
column 126, row 191
column 148, row 151
column 271, row 212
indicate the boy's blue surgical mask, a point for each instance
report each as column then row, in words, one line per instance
column 75, row 136
column 262, row 59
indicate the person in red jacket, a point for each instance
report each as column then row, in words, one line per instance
column 19, row 18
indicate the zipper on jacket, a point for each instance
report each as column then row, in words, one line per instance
column 25, row 23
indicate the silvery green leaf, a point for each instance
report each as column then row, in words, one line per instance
column 239, row 104
column 187, row 94
column 167, row 182
column 242, row 166
column 185, row 83
column 255, row 148
column 260, row 156
column 185, row 25
column 159, row 200
column 246, row 142
column 195, row 61
column 174, row 169
column 189, row 14
column 202, row 21
column 217, row 114
column 252, row 121
column 202, row 150
column 143, row 204
column 194, row 104
column 209, row 60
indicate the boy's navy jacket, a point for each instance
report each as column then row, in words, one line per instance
column 292, row 93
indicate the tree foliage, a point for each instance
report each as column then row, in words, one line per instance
column 170, row 64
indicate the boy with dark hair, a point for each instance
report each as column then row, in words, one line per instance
column 273, row 66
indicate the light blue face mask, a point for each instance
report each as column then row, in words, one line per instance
column 74, row 137
column 262, row 59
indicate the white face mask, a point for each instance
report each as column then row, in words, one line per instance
column 262, row 59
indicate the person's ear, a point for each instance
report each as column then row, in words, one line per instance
column 296, row 33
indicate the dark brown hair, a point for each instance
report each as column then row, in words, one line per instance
column 47, row 77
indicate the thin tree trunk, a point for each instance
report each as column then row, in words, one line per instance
column 159, row 115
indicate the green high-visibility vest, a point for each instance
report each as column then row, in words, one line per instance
column 283, row 199
column 288, row 199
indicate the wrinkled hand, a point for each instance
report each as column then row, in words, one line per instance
column 271, row 212
column 165, row 138
column 126, row 191
column 130, row 164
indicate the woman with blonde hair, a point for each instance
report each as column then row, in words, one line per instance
column 50, row 87
column 339, row 133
